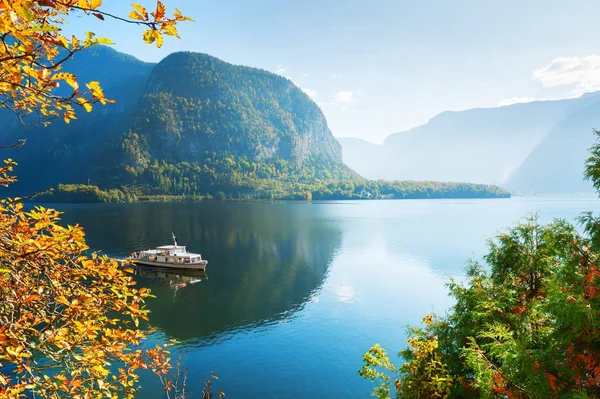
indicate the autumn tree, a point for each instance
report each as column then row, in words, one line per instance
column 526, row 324
column 33, row 52
column 69, row 321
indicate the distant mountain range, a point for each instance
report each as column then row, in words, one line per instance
column 537, row 147
column 195, row 126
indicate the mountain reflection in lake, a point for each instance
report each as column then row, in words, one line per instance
column 265, row 261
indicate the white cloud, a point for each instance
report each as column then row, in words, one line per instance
column 341, row 98
column 582, row 73
column 515, row 100
column 280, row 69
column 311, row 93
column 304, row 75
column 345, row 97
column 569, row 77
column 335, row 76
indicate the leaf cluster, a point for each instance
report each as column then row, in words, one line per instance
column 69, row 322
column 33, row 51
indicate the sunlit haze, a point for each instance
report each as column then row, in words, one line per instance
column 376, row 68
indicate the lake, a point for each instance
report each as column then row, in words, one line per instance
column 295, row 293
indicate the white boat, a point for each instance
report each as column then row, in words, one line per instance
column 169, row 256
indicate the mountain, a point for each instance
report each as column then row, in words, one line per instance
column 477, row 145
column 60, row 152
column 190, row 124
column 204, row 125
column 531, row 147
column 557, row 164
column 194, row 126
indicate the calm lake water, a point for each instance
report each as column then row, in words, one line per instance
column 296, row 293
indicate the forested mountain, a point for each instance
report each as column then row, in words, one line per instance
column 204, row 125
column 533, row 147
column 195, row 126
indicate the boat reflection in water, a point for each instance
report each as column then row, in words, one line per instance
column 174, row 279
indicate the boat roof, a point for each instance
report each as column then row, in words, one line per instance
column 171, row 247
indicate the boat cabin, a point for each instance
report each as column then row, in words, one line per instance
column 170, row 254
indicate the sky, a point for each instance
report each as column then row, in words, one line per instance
column 376, row 67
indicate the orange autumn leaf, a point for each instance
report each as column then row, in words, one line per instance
column 551, row 381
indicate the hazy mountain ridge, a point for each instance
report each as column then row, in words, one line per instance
column 557, row 164
column 487, row 145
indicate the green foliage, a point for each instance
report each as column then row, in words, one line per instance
column 424, row 375
column 173, row 186
column 526, row 324
column 81, row 193
column 377, row 366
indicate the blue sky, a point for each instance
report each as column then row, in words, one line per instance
column 381, row 66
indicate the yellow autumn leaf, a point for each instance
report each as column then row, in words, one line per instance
column 170, row 30
column 94, row 4
column 149, row 36
column 95, row 89
column 85, row 104
column 69, row 78
column 62, row 40
column 159, row 38
column 141, row 10
column 105, row 40
column 135, row 15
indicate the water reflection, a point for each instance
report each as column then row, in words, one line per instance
column 265, row 261
column 172, row 279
